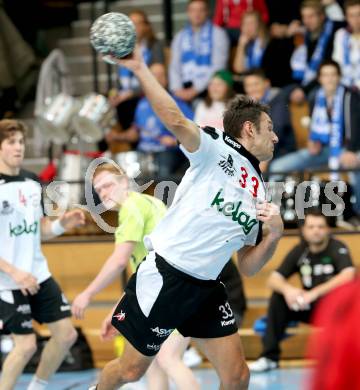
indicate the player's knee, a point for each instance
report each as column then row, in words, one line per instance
column 67, row 337
column 27, row 348
column 132, row 374
column 245, row 376
column 164, row 361
column 238, row 377
column 70, row 337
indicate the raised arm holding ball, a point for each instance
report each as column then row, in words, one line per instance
column 219, row 208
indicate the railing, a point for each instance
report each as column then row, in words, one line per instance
column 168, row 21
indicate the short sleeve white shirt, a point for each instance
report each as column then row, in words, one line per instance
column 20, row 216
column 213, row 213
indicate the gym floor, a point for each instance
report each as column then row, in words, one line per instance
column 281, row 379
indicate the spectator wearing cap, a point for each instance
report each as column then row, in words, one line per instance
column 209, row 112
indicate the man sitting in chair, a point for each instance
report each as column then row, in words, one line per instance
column 322, row 264
column 334, row 139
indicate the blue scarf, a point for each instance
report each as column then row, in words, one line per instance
column 347, row 71
column 329, row 131
column 306, row 72
column 266, row 97
column 254, row 54
column 127, row 77
column 350, row 71
column 196, row 59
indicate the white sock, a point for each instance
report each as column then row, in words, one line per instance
column 37, row 384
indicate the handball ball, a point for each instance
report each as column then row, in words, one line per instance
column 113, row 34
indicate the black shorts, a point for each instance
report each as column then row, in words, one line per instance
column 17, row 310
column 160, row 298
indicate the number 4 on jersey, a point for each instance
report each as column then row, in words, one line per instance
column 22, row 198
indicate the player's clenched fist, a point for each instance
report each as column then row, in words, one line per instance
column 269, row 213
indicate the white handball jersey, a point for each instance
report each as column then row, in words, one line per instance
column 213, row 213
column 20, row 214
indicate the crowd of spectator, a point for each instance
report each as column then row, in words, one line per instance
column 285, row 54
column 288, row 54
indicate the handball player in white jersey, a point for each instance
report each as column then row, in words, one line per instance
column 27, row 289
column 219, row 208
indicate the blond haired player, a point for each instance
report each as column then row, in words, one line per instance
column 138, row 216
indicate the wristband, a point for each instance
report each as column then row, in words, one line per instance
column 56, row 228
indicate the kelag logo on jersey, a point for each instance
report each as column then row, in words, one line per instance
column 24, row 228
column 232, row 209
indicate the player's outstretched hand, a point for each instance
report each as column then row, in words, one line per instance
column 72, row 219
column 27, row 282
column 269, row 213
column 107, row 330
column 133, row 61
column 80, row 303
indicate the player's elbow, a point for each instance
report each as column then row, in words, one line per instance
column 121, row 263
column 177, row 122
column 251, row 272
column 273, row 280
column 250, row 266
column 245, row 265
column 247, row 270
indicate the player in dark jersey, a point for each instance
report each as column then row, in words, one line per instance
column 322, row 263
column 27, row 290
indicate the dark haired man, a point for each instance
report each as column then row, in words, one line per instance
column 322, row 264
column 197, row 52
column 258, row 87
column 27, row 290
column 334, row 139
column 321, row 20
column 320, row 27
column 219, row 208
